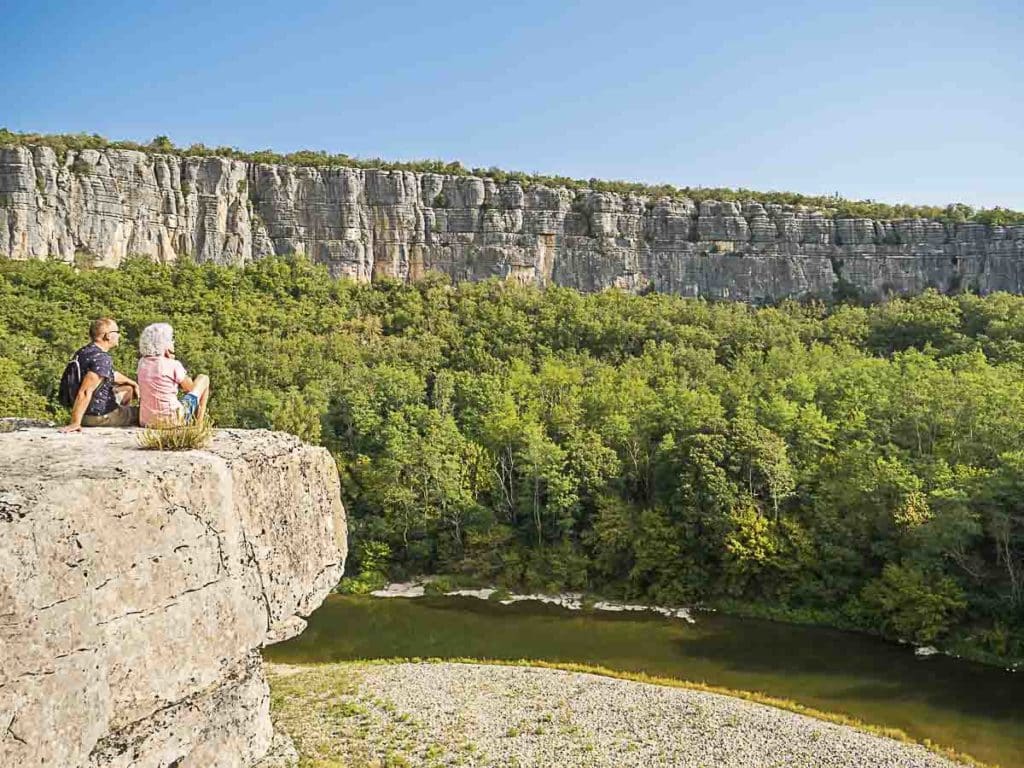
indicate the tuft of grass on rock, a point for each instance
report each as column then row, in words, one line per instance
column 176, row 436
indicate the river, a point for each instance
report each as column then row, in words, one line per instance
column 970, row 707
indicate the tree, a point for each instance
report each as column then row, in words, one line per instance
column 161, row 144
column 299, row 413
column 762, row 462
column 912, row 604
column 1003, row 496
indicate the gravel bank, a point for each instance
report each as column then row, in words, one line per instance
column 446, row 714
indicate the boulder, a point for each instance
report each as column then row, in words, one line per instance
column 137, row 588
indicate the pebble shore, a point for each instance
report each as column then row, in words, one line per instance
column 447, row 714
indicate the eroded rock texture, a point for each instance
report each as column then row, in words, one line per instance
column 366, row 223
column 137, row 587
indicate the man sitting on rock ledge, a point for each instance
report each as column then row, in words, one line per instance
column 103, row 396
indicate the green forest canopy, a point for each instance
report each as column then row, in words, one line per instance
column 861, row 466
column 837, row 207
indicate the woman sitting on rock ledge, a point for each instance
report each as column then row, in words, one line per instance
column 160, row 375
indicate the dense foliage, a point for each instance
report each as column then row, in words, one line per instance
column 835, row 206
column 864, row 465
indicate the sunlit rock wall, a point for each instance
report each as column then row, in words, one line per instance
column 106, row 205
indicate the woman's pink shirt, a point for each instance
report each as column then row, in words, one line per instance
column 159, row 378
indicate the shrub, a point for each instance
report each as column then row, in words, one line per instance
column 845, row 292
column 912, row 604
column 85, row 260
column 440, row 585
column 373, row 561
column 161, row 144
column 17, row 399
column 81, row 166
column 299, row 414
column 363, row 584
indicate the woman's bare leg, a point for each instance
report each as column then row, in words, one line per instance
column 201, row 389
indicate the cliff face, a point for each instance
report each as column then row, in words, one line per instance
column 365, row 223
column 136, row 589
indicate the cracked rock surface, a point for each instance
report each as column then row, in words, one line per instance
column 137, row 587
column 362, row 223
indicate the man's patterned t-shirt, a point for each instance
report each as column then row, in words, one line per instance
column 92, row 358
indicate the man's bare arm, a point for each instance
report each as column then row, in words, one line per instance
column 120, row 378
column 82, row 399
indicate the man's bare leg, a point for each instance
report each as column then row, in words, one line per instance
column 124, row 394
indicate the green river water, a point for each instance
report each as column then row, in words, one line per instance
column 971, row 707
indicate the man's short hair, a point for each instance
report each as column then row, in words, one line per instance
column 100, row 327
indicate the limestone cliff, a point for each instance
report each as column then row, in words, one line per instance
column 136, row 589
column 368, row 223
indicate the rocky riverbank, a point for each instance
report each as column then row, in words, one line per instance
column 448, row 714
column 571, row 601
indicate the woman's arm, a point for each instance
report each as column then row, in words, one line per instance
column 198, row 386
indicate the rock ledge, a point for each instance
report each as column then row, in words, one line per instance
column 137, row 587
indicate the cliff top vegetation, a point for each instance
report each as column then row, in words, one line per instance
column 835, row 206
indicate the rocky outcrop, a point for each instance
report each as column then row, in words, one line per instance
column 108, row 204
column 137, row 588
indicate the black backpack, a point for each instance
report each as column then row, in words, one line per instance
column 70, row 381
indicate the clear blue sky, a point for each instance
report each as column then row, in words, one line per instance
column 896, row 101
